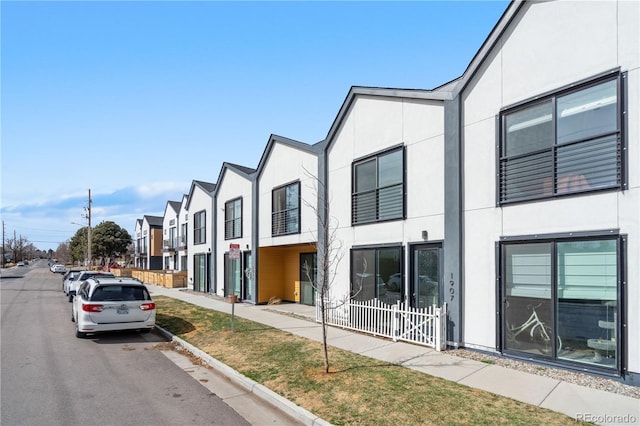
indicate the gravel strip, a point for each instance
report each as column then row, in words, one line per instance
column 582, row 379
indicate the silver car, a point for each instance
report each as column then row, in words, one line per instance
column 110, row 304
column 72, row 286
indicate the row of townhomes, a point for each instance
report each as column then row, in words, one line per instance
column 511, row 193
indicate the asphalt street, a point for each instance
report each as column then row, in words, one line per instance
column 50, row 377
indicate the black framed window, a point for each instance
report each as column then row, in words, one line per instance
column 378, row 188
column 562, row 299
column 285, row 214
column 564, row 143
column 183, row 235
column 200, row 227
column 233, row 219
column 377, row 273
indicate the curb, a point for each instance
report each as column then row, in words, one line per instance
column 260, row 391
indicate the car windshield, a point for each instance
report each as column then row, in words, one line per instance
column 119, row 293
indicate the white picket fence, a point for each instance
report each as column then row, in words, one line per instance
column 424, row 326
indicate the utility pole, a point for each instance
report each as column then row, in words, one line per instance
column 89, row 230
column 3, row 258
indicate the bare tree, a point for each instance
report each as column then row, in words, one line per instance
column 17, row 246
column 62, row 253
column 329, row 252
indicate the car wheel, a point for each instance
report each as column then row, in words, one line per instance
column 80, row 334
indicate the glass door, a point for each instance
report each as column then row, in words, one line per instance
column 232, row 276
column 249, row 275
column 308, row 275
column 426, row 267
column 199, row 272
column 528, row 308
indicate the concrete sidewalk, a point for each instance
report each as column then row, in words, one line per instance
column 576, row 401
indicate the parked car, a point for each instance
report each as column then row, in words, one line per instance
column 82, row 276
column 69, row 276
column 111, row 304
column 20, row 264
column 58, row 268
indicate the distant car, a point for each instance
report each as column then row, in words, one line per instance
column 82, row 276
column 111, row 304
column 20, row 264
column 58, row 268
column 69, row 276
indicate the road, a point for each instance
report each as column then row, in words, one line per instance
column 49, row 377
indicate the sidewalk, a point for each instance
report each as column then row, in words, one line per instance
column 576, row 401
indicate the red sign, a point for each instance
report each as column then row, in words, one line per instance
column 234, row 251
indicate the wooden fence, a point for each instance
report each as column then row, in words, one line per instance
column 170, row 279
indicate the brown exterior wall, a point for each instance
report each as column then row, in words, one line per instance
column 156, row 242
column 279, row 271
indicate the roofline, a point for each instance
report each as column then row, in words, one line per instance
column 355, row 91
column 199, row 183
column 276, row 139
column 487, row 46
column 246, row 172
column 153, row 225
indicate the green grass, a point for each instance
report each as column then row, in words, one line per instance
column 358, row 390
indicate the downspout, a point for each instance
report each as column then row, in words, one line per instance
column 453, row 246
column 255, row 234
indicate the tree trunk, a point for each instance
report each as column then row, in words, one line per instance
column 325, row 350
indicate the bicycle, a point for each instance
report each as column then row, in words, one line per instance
column 539, row 332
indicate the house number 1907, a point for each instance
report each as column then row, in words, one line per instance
column 452, row 290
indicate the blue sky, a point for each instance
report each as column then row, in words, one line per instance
column 134, row 100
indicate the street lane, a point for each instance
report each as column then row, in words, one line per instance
column 49, row 377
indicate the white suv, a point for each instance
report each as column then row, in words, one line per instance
column 110, row 304
column 72, row 286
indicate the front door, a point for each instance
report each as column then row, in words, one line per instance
column 200, row 275
column 426, row 277
column 248, row 275
column 232, row 276
column 308, row 277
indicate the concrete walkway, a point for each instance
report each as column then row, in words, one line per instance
column 576, row 401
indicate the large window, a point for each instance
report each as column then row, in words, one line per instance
column 378, row 188
column 199, row 227
column 233, row 219
column 377, row 273
column 183, row 235
column 561, row 300
column 285, row 215
column 200, row 273
column 565, row 143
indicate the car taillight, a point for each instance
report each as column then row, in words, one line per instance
column 147, row 306
column 87, row 307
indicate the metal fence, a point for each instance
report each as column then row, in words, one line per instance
column 424, row 326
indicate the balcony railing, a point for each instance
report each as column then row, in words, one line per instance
column 169, row 245
column 182, row 241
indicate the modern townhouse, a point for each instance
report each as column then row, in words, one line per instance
column 200, row 242
column 234, row 212
column 183, row 234
column 148, row 243
column 512, row 194
column 544, row 135
column 287, row 221
column 385, row 181
column 170, row 235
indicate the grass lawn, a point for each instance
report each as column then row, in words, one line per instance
column 358, row 390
